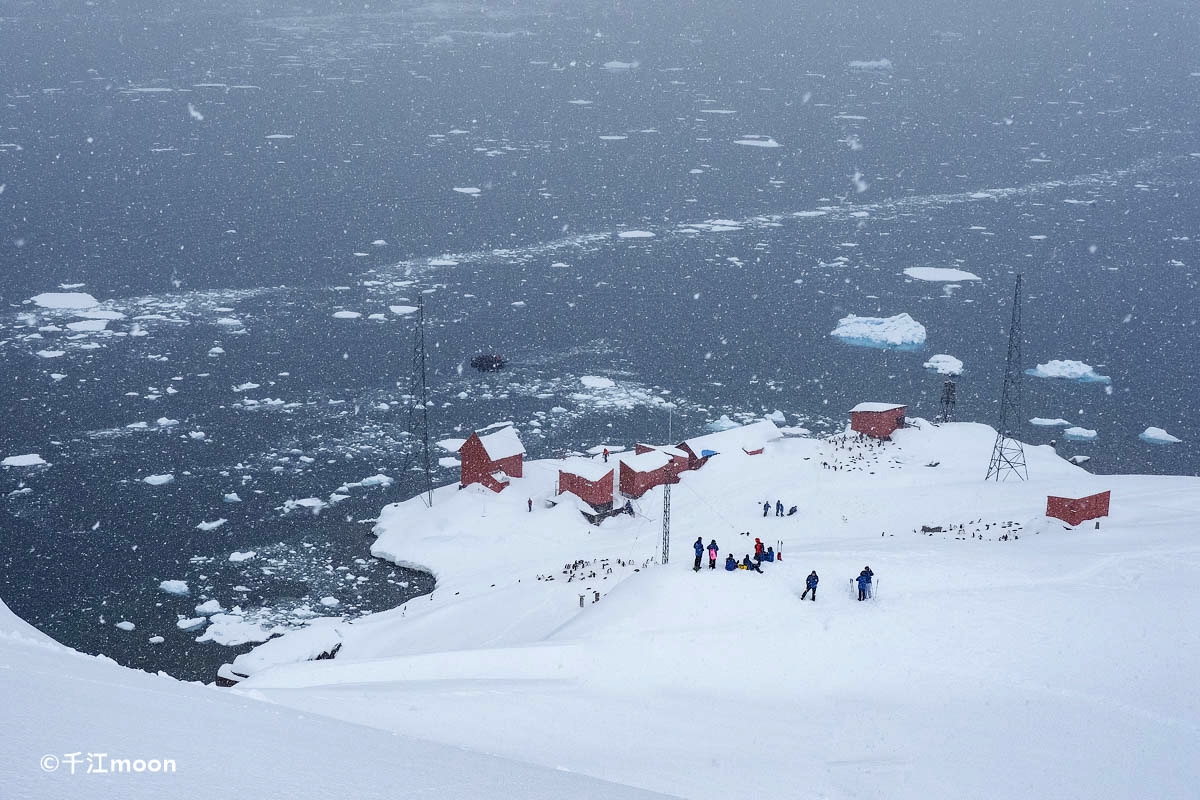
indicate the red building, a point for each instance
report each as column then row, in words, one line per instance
column 492, row 459
column 877, row 419
column 680, row 460
column 641, row 473
column 1074, row 510
column 589, row 481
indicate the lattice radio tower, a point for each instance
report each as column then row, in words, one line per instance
column 666, row 547
column 1008, row 456
column 949, row 391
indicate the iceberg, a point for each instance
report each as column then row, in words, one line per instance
column 1154, row 435
column 1068, row 370
column 900, row 332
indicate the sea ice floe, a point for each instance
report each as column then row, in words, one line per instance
column 1077, row 434
column 51, row 353
column 238, row 556
column 635, row 235
column 471, row 190
column 944, row 364
column 878, row 64
column 26, row 460
column 211, row 526
column 126, row 625
column 940, row 274
column 209, row 607
column 402, row 310
column 347, row 314
column 1154, row 435
column 1048, row 423
column 191, row 623
column 232, row 497
column 159, row 480
column 64, row 300
column 175, row 587
column 756, row 140
column 901, row 331
column 596, row 382
column 1068, row 370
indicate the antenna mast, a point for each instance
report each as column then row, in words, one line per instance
column 1008, row 456
column 424, row 398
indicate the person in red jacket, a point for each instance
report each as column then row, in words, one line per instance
column 758, row 549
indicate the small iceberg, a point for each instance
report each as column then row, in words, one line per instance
column 900, row 332
column 1077, row 434
column 1068, row 370
column 1044, row 422
column 175, row 587
column 722, row 424
column 943, row 364
column 1158, row 436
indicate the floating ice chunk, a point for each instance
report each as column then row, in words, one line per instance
column 449, row 462
column 313, row 504
column 159, row 480
column 245, row 387
column 940, row 274
column 402, row 310
column 379, row 243
column 209, row 607
column 596, row 382
column 88, row 325
column 56, row 376
column 879, row 64
column 777, row 417
column 211, row 526
column 470, row 190
column 156, row 640
column 635, row 235
column 1068, row 370
column 347, row 314
column 722, row 424
column 901, row 331
column 26, row 460
column 944, row 364
column 1048, row 423
column 232, row 497
column 191, row 623
column 238, row 556
column 756, row 140
column 1158, row 436
column 230, row 322
column 377, row 317
column 280, row 136
column 199, row 436
column 330, row 602
column 1079, row 459
column 617, row 66
column 126, row 625
column 213, row 352
column 64, row 300
column 1077, row 434
column 175, row 587
column 234, row 629
column 164, row 422
column 51, row 353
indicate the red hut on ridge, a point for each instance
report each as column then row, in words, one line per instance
column 641, row 473
column 492, row 459
column 877, row 419
column 589, row 481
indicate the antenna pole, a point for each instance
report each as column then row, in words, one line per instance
column 1008, row 456
column 424, row 398
column 666, row 548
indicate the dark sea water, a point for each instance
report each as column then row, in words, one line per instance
column 229, row 175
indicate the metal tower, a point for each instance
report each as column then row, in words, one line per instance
column 419, row 358
column 1008, row 456
column 666, row 522
column 948, row 395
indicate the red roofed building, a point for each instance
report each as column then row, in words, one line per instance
column 641, row 473
column 589, row 481
column 679, row 458
column 877, row 419
column 1074, row 510
column 491, row 459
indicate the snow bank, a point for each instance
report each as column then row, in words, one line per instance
column 1158, row 436
column 900, row 331
column 1068, row 370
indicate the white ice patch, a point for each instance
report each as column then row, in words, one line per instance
column 1077, row 434
column 313, row 504
column 27, row 460
column 878, row 65
column 88, row 325
column 1067, row 369
column 64, row 300
column 757, row 140
column 232, row 497
column 402, row 310
column 1158, row 436
column 330, row 602
column 596, row 382
column 126, row 625
column 191, row 623
column 940, row 274
column 239, row 556
column 211, row 526
column 347, row 314
column 51, row 353
column 944, row 364
column 618, row 66
column 470, row 190
column 175, row 587
column 1044, row 422
column 900, row 331
column 159, row 480
column 635, row 235
column 209, row 607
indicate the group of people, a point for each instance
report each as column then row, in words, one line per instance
column 761, row 554
column 778, row 509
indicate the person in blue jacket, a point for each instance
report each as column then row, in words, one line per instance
column 754, row 565
column 766, row 508
column 810, row 585
column 699, row 553
column 864, row 583
column 730, row 563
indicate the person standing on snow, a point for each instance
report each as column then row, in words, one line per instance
column 864, row 583
column 766, row 507
column 810, row 584
column 779, row 508
column 699, row 546
column 758, row 549
column 712, row 554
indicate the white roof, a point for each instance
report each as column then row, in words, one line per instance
column 586, row 468
column 648, row 461
column 502, row 444
column 750, row 437
column 876, row 407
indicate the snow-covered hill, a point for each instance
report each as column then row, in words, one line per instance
column 1013, row 657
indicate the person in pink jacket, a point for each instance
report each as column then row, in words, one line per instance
column 712, row 554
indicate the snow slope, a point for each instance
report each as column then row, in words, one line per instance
column 58, row 702
column 1052, row 663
